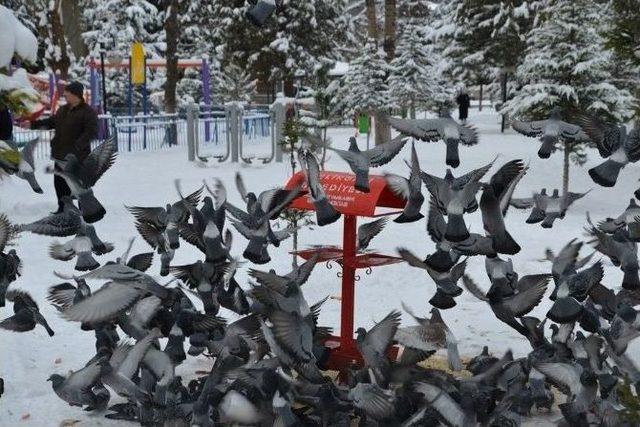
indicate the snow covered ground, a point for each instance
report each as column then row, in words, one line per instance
column 146, row 178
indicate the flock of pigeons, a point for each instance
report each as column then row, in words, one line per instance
column 268, row 365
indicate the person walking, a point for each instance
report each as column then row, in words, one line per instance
column 76, row 125
column 463, row 101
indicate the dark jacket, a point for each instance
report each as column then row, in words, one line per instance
column 75, row 128
column 463, row 101
column 6, row 125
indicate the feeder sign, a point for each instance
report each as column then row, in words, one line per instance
column 138, row 64
column 363, row 123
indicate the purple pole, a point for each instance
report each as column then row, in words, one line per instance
column 206, row 94
column 93, row 84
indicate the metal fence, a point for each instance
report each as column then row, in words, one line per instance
column 158, row 131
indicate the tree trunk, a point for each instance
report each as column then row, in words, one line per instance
column 372, row 23
column 382, row 127
column 565, row 169
column 480, row 101
column 62, row 62
column 172, row 33
column 73, row 27
column 390, row 14
column 503, row 88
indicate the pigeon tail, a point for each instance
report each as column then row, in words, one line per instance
column 549, row 220
column 453, row 159
column 606, row 173
column 631, row 281
column 404, row 218
column 91, row 209
column 362, row 181
column 547, row 147
column 440, row 261
column 456, row 228
column 256, row 252
column 442, row 301
column 86, row 262
column 503, row 243
column 535, row 216
column 565, row 310
column 325, row 212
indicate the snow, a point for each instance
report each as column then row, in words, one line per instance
column 146, row 178
column 15, row 39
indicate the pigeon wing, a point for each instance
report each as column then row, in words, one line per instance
column 606, row 136
column 379, row 337
column 531, row 129
column 565, row 375
column 425, row 129
column 473, row 288
column 398, row 184
column 104, row 304
column 468, row 135
column 384, row 153
column 98, row 162
column 523, row 302
column 436, row 225
column 369, row 230
column 141, row 262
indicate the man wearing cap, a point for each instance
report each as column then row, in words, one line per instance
column 76, row 125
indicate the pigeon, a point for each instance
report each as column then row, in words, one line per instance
column 361, row 161
column 368, row 231
column 621, row 250
column 67, row 223
column 373, row 401
column 629, row 219
column 373, row 344
column 482, row 362
column 556, row 206
column 579, row 384
column 447, row 407
column 550, row 132
column 10, row 264
column 508, row 308
column 430, row 335
column 25, row 166
column 503, row 277
column 443, row 128
column 625, row 327
column 254, row 224
column 572, row 289
column 81, row 176
column 158, row 225
column 409, row 190
column 494, row 203
column 325, row 212
column 64, row 295
column 615, row 145
column 445, row 282
column 448, row 252
column 83, row 387
column 537, row 203
column 80, row 247
column 26, row 314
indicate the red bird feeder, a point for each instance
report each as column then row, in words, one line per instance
column 339, row 187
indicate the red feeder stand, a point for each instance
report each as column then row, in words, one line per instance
column 352, row 203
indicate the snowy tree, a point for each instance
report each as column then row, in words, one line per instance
column 17, row 44
column 566, row 66
column 365, row 89
column 111, row 26
column 623, row 39
column 235, row 84
column 412, row 80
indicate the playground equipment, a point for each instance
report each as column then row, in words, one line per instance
column 340, row 191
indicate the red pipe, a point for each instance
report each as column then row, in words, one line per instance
column 348, row 282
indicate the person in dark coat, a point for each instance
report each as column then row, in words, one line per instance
column 6, row 125
column 76, row 125
column 463, row 101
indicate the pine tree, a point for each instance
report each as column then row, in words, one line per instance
column 623, row 39
column 365, row 88
column 412, row 81
column 566, row 66
column 112, row 26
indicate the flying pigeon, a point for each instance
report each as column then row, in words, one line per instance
column 373, row 345
column 83, row 387
column 494, row 204
column 81, row 176
column 409, row 189
column 26, row 314
column 629, row 220
column 24, row 167
column 615, row 145
column 325, row 212
column 361, row 161
column 10, row 264
column 550, row 131
column 443, row 128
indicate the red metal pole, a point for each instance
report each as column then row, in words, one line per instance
column 348, row 282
